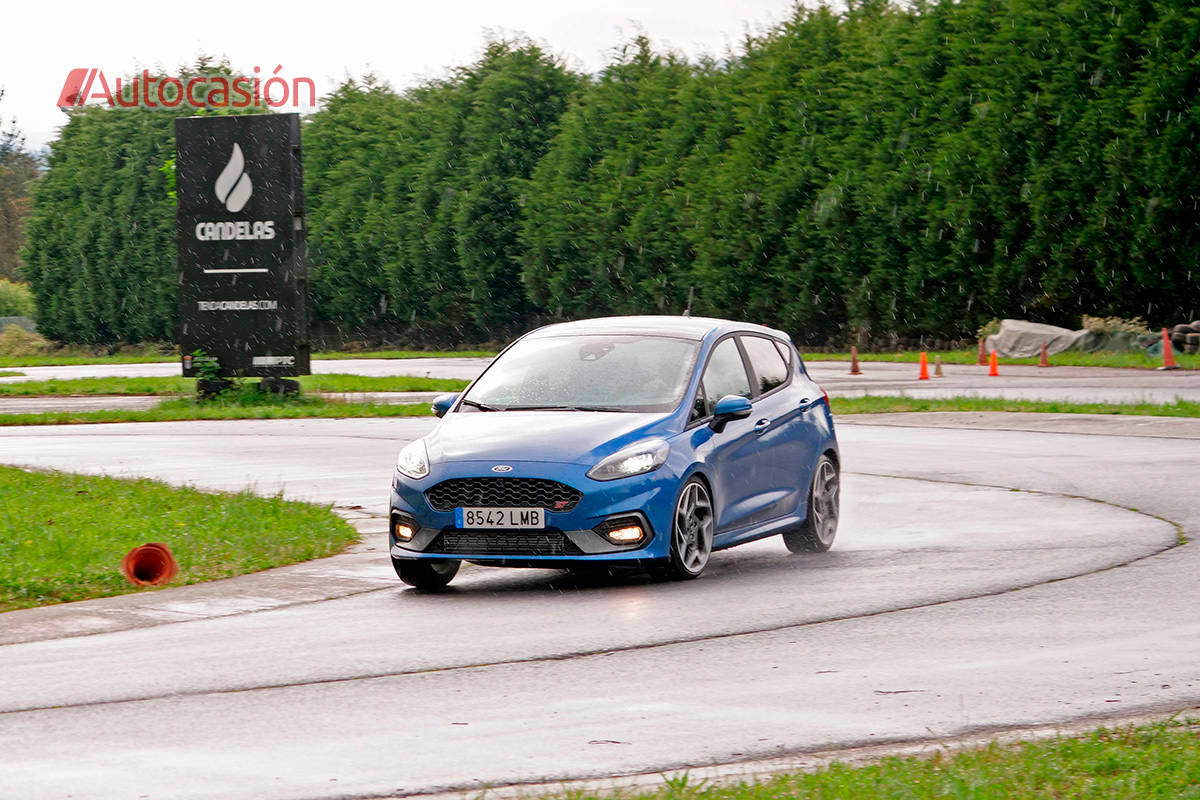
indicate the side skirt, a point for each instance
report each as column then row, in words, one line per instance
column 760, row 530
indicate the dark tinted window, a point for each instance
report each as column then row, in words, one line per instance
column 725, row 374
column 769, row 366
column 700, row 407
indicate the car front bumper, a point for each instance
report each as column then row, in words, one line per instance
column 570, row 536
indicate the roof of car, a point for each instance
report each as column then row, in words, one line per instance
column 684, row 327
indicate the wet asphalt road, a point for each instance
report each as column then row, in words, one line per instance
column 947, row 606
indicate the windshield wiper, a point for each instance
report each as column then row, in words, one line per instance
column 480, row 406
column 563, row 408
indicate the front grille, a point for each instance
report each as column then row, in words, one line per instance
column 502, row 493
column 504, row 543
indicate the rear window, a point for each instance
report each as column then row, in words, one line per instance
column 770, row 369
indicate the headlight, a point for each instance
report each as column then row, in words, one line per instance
column 633, row 460
column 413, row 460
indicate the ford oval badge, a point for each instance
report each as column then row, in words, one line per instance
column 502, row 468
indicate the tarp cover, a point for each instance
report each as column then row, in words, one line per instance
column 1020, row 339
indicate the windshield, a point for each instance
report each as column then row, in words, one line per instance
column 587, row 373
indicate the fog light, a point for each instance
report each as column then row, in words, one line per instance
column 626, row 535
column 404, row 531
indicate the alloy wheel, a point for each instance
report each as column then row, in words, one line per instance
column 825, row 503
column 693, row 528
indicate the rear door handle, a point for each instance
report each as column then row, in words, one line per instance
column 806, row 404
column 761, row 426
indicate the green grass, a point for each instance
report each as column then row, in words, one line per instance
column 881, row 404
column 70, row 357
column 177, row 385
column 53, row 360
column 244, row 402
column 190, row 409
column 1135, row 360
column 10, row 374
column 20, row 348
column 1151, row 762
column 65, row 535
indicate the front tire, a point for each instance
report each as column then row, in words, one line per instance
column 427, row 575
column 817, row 532
column 691, row 534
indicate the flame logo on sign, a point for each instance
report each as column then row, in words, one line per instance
column 233, row 184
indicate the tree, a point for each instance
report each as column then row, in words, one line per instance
column 416, row 198
column 492, row 123
column 360, row 155
column 18, row 168
column 603, row 226
column 100, row 253
column 876, row 171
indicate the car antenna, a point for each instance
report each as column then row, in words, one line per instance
column 687, row 312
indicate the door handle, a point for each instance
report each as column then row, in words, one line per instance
column 761, row 426
column 806, row 404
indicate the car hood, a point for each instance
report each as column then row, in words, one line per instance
column 566, row 437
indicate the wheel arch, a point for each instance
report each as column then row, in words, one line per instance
column 697, row 471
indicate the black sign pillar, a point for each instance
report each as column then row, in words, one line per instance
column 243, row 266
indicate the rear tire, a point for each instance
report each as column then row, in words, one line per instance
column 817, row 532
column 427, row 575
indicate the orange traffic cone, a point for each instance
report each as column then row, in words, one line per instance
column 149, row 564
column 924, row 376
column 982, row 360
column 937, row 367
column 1168, row 353
column 854, row 370
column 993, row 366
column 1044, row 361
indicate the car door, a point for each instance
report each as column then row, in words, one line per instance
column 782, row 451
column 731, row 471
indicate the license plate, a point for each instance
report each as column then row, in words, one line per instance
column 500, row 518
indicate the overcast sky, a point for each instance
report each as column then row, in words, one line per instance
column 400, row 42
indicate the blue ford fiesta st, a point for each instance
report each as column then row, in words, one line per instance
column 644, row 441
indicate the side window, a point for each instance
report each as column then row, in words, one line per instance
column 725, row 374
column 785, row 353
column 769, row 366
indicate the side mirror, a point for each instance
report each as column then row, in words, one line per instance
column 731, row 406
column 442, row 403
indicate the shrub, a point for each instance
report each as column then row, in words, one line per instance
column 1111, row 325
column 15, row 300
column 987, row 329
column 16, row 341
